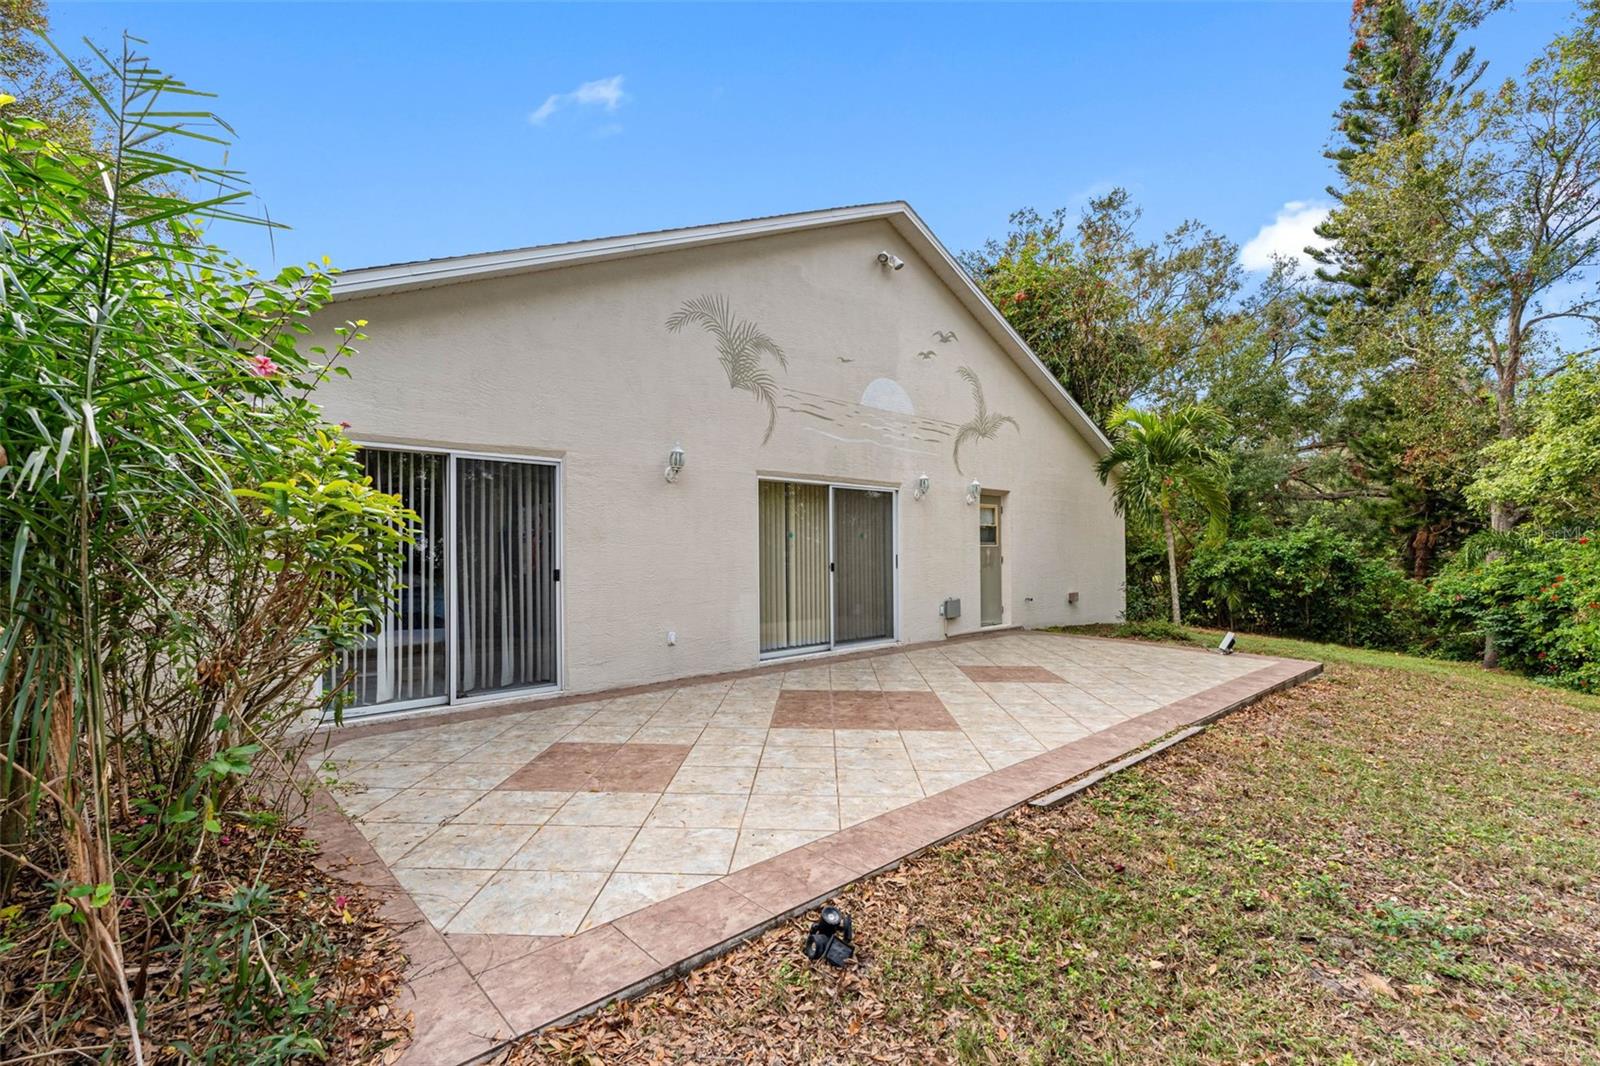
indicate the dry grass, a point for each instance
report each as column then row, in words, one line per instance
column 1399, row 862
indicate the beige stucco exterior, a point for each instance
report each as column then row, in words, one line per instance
column 576, row 363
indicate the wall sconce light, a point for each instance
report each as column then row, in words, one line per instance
column 890, row 260
column 922, row 487
column 674, row 462
column 973, row 489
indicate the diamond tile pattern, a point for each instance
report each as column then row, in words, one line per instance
column 548, row 819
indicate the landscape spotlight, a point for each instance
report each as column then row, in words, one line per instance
column 832, row 937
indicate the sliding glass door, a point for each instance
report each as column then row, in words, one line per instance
column 505, row 575
column 827, row 566
column 478, row 612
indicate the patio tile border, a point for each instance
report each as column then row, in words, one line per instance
column 464, row 1012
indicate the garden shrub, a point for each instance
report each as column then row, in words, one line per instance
column 1539, row 596
column 1313, row 582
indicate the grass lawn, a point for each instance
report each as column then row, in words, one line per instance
column 1398, row 862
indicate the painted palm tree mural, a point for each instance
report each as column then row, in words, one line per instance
column 742, row 348
column 984, row 425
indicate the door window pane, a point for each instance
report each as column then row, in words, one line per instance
column 793, row 521
column 505, row 575
column 404, row 661
column 863, row 554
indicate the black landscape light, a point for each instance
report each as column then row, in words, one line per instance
column 831, row 938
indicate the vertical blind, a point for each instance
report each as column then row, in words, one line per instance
column 405, row 659
column 794, row 565
column 505, row 575
column 800, row 606
column 863, row 555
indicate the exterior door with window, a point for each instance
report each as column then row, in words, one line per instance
column 990, row 560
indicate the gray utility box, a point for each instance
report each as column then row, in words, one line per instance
column 950, row 608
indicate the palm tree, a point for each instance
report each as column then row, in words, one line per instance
column 741, row 347
column 1161, row 459
column 983, row 425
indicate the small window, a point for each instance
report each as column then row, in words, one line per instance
column 989, row 524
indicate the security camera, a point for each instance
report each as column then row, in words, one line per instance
column 893, row 262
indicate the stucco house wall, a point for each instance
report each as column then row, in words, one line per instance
column 578, row 364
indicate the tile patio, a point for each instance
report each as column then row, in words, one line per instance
column 584, row 834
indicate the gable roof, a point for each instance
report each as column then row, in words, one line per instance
column 428, row 273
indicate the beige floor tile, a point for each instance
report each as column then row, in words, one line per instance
column 758, row 845
column 439, row 894
column 884, row 758
column 800, row 738
column 605, row 734
column 388, row 774
column 723, row 755
column 724, row 735
column 391, row 840
column 530, row 903
column 804, row 781
column 680, row 851
column 498, row 751
column 879, row 782
column 627, row 892
column 667, row 734
column 368, row 749
column 792, row 812
column 606, row 808
column 513, row 808
column 466, row 847
column 356, row 800
column 459, row 775
column 713, row 779
column 867, row 738
column 937, row 781
column 573, row 847
column 856, row 809
column 695, row 811
column 796, row 758
column 423, row 805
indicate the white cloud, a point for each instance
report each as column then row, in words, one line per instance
column 605, row 93
column 1286, row 236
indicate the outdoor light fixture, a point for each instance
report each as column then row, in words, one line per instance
column 1228, row 641
column 973, row 489
column 890, row 260
column 832, row 937
column 674, row 462
column 922, row 487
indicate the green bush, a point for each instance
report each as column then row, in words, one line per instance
column 1312, row 582
column 1540, row 599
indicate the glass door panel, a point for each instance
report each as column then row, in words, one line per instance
column 793, row 521
column 863, row 557
column 505, row 575
column 404, row 661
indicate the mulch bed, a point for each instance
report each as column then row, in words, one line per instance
column 358, row 966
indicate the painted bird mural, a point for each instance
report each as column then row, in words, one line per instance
column 984, row 425
column 944, row 336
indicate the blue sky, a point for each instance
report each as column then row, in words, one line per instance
column 393, row 132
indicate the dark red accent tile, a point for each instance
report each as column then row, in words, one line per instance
column 919, row 712
column 1026, row 674
column 482, row 951
column 639, row 768
column 691, row 923
column 578, row 972
column 788, row 881
column 803, row 709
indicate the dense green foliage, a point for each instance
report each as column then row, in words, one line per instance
column 1539, row 597
column 1310, row 582
column 184, row 544
column 1433, row 378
